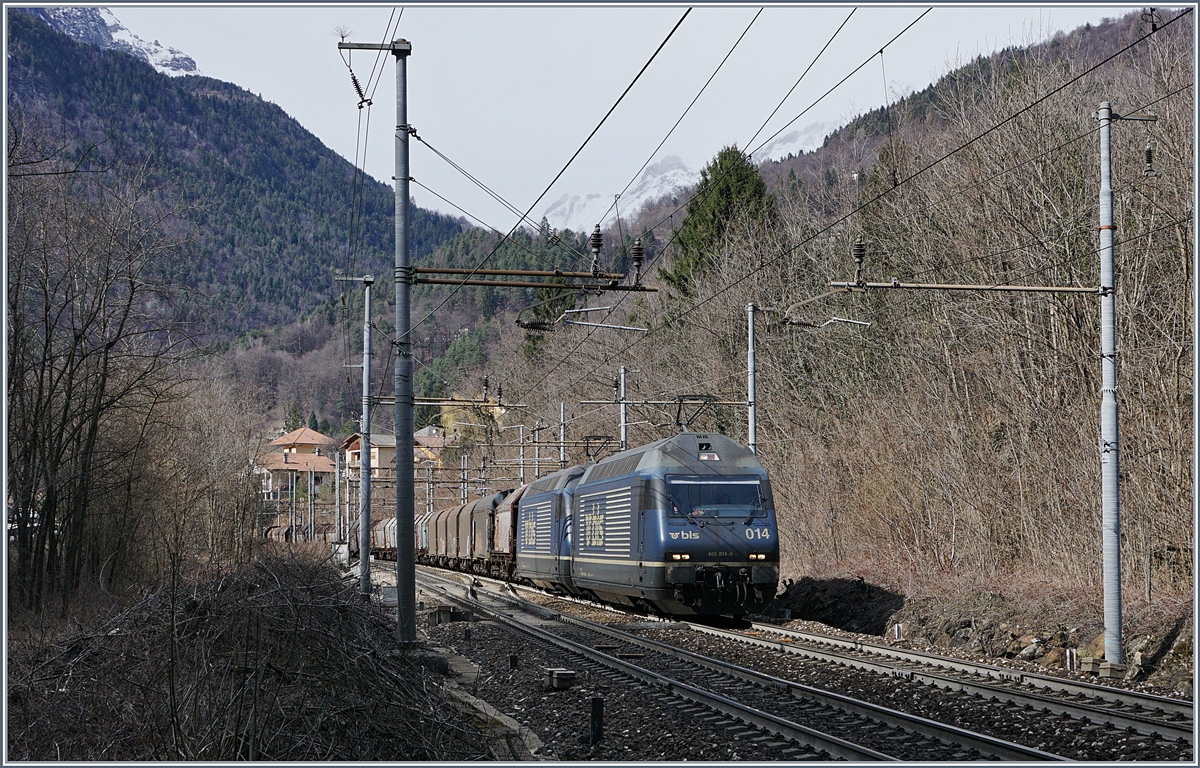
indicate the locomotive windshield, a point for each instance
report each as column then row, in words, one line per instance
column 729, row 496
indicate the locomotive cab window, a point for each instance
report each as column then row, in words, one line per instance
column 729, row 496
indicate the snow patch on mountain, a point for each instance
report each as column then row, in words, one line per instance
column 806, row 139
column 580, row 213
column 99, row 27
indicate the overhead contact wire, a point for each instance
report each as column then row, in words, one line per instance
column 483, row 223
column 560, row 173
column 875, row 199
column 839, row 83
column 492, row 193
column 685, row 111
column 802, row 75
column 768, row 140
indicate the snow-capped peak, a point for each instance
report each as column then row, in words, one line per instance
column 99, row 27
column 581, row 213
column 806, row 139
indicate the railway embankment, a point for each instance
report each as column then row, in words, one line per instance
column 1034, row 628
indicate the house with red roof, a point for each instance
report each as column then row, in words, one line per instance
column 297, row 473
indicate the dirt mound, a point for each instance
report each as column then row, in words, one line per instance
column 853, row 605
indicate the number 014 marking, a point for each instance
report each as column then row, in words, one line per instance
column 758, row 533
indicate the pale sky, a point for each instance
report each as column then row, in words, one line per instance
column 509, row 92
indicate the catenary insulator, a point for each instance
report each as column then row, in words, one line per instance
column 637, row 256
column 1149, row 158
column 595, row 241
column 858, row 251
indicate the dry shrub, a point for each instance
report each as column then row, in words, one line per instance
column 276, row 660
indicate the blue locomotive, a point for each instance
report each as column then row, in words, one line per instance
column 685, row 525
column 682, row 526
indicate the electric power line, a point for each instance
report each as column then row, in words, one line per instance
column 870, row 202
column 716, row 179
column 685, row 112
column 560, row 173
column 802, row 75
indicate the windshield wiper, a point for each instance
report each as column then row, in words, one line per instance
column 754, row 510
column 679, row 512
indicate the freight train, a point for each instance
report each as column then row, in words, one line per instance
column 682, row 526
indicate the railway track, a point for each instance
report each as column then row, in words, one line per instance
column 830, row 723
column 1069, row 717
column 1115, row 708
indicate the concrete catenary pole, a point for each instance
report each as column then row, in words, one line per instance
column 624, row 414
column 337, row 494
column 406, row 573
column 537, row 451
column 562, row 435
column 751, row 391
column 364, row 451
column 521, row 437
column 1110, row 488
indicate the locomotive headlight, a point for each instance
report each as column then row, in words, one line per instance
column 678, row 556
column 758, row 556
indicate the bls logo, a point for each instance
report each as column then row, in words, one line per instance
column 684, row 535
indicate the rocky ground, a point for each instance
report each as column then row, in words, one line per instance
column 1030, row 631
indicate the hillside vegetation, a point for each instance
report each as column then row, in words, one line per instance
column 954, row 441
column 268, row 206
column 948, row 448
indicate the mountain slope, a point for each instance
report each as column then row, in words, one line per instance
column 99, row 27
column 270, row 204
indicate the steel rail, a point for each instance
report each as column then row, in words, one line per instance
column 949, row 734
column 946, row 733
column 1106, row 693
column 726, row 706
column 1144, row 724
